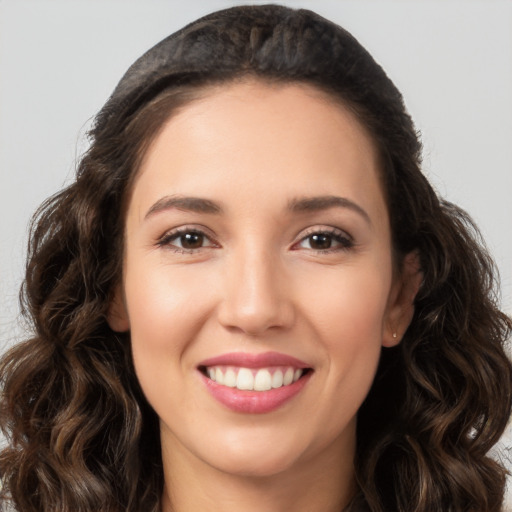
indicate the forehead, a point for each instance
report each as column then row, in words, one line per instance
column 277, row 137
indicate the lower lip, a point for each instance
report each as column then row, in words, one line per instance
column 254, row 402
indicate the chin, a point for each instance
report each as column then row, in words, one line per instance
column 250, row 459
column 260, row 467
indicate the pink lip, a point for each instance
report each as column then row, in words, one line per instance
column 254, row 402
column 246, row 360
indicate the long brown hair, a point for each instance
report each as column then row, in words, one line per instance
column 80, row 434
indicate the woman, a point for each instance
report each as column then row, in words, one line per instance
column 251, row 296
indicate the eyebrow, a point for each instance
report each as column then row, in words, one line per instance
column 190, row 204
column 303, row 204
column 320, row 203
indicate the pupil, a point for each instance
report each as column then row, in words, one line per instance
column 320, row 241
column 191, row 240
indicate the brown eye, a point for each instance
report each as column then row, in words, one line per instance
column 320, row 241
column 336, row 240
column 191, row 240
column 186, row 240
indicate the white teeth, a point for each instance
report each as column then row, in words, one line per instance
column 219, row 376
column 248, row 379
column 288, row 377
column 230, row 378
column 245, row 379
column 263, row 381
column 277, row 379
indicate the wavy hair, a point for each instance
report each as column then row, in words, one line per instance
column 80, row 435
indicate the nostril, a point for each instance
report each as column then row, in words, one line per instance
column 254, row 299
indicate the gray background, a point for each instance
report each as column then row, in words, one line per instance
column 60, row 59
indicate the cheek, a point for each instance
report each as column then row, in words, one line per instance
column 347, row 311
column 349, row 304
column 159, row 295
column 166, row 310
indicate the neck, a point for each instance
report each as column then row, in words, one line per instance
column 324, row 483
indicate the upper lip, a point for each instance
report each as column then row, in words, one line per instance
column 247, row 360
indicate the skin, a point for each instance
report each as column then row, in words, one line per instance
column 259, row 282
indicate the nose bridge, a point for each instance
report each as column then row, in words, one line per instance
column 255, row 297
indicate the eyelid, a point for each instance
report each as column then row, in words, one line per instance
column 344, row 239
column 325, row 230
column 171, row 234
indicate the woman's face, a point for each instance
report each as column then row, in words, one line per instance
column 258, row 286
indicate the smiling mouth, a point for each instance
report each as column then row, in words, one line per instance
column 254, row 379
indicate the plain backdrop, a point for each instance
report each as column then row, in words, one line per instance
column 60, row 60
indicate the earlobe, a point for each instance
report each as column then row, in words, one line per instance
column 117, row 316
column 401, row 300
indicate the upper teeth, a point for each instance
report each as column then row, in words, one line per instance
column 247, row 379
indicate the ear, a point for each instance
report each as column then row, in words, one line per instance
column 400, row 309
column 117, row 316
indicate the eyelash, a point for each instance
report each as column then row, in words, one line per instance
column 336, row 235
column 340, row 237
column 167, row 239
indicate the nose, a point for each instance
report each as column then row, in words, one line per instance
column 256, row 294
